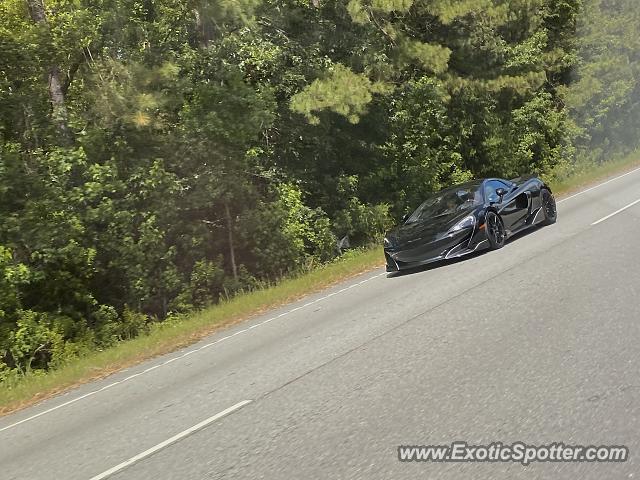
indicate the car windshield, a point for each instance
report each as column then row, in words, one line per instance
column 447, row 202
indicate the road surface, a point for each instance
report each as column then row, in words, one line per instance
column 538, row 342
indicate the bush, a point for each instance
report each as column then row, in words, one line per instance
column 363, row 223
column 285, row 235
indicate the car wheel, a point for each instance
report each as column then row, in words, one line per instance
column 496, row 233
column 548, row 207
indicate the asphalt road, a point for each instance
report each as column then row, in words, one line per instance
column 538, row 342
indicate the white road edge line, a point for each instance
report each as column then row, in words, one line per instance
column 171, row 360
column 183, row 355
column 170, row 441
column 616, row 212
column 599, row 185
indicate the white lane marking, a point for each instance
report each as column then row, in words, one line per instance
column 308, row 304
column 616, row 212
column 208, row 345
column 170, row 441
column 597, row 186
column 185, row 354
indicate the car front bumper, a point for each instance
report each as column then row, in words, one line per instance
column 447, row 247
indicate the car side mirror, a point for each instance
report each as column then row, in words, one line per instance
column 405, row 217
column 501, row 192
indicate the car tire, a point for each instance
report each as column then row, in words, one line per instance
column 549, row 209
column 496, row 234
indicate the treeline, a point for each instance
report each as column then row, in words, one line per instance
column 157, row 155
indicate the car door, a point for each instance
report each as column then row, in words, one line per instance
column 515, row 205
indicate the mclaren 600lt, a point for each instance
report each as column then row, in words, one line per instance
column 459, row 220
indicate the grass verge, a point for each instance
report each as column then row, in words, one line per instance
column 586, row 174
column 169, row 336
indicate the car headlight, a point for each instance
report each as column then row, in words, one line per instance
column 466, row 222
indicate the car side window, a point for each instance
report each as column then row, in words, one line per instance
column 490, row 189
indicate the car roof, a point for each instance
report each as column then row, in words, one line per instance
column 469, row 184
column 476, row 183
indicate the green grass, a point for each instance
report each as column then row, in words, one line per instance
column 586, row 173
column 172, row 335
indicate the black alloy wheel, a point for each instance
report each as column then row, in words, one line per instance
column 548, row 207
column 495, row 231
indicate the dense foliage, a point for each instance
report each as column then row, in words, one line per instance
column 157, row 155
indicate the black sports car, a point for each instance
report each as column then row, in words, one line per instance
column 459, row 220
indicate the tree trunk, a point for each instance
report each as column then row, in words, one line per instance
column 203, row 27
column 232, row 253
column 56, row 94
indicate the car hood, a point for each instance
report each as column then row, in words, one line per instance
column 426, row 230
